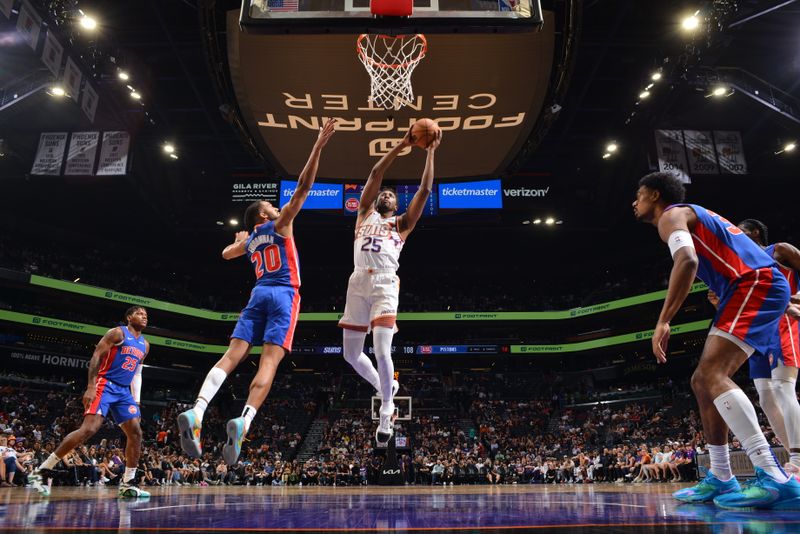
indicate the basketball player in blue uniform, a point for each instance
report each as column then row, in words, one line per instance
column 271, row 314
column 753, row 297
column 114, row 389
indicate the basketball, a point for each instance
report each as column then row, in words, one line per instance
column 424, row 132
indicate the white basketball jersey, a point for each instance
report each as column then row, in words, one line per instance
column 377, row 243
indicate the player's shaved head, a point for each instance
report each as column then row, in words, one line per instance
column 669, row 186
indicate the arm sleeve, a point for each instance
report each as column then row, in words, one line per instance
column 136, row 384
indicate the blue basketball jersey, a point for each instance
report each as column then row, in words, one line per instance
column 274, row 257
column 792, row 276
column 120, row 363
column 724, row 252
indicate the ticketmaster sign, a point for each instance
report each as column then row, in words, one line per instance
column 471, row 195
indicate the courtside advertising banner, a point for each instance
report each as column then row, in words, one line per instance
column 114, row 154
column 50, row 153
column 321, row 196
column 81, row 153
column 485, row 194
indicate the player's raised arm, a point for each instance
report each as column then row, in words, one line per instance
column 111, row 338
column 306, row 179
column 408, row 220
column 373, row 186
column 674, row 230
column 788, row 255
column 236, row 249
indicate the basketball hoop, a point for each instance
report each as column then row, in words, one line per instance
column 390, row 61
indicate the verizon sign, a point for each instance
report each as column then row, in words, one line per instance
column 287, row 85
column 527, row 192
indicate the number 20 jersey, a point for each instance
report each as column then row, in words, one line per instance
column 273, row 256
column 377, row 243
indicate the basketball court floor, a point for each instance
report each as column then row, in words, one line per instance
column 600, row 508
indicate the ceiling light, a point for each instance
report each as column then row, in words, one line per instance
column 549, row 221
column 233, row 222
column 606, row 155
column 656, row 76
column 690, row 23
column 644, row 94
column 559, row 221
column 220, row 223
column 719, row 90
column 169, row 148
column 57, row 90
column 173, row 156
column 526, row 222
column 136, row 96
column 648, row 87
column 88, row 23
column 537, row 221
column 611, row 147
column 790, row 147
column 122, row 75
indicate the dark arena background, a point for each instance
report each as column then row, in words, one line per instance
column 135, row 133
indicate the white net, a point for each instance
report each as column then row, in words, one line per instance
column 390, row 61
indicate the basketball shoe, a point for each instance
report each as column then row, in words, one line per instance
column 189, row 427
column 764, row 492
column 129, row 490
column 707, row 489
column 39, row 482
column 233, row 446
column 385, row 429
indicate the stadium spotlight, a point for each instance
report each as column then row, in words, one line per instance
column 526, row 221
column 124, row 76
column 790, row 147
column 537, row 221
column 173, row 156
column 656, row 76
column 233, row 222
column 691, row 22
column 87, row 22
column 606, row 155
column 549, row 221
column 136, row 96
column 559, row 221
column 644, row 94
column 720, row 91
column 612, row 147
column 169, row 148
column 220, row 223
column 57, row 91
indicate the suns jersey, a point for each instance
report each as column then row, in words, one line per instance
column 377, row 243
column 274, row 257
column 792, row 276
column 120, row 362
column 724, row 252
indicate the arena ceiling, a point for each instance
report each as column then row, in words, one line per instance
column 621, row 43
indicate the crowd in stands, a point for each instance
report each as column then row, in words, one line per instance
column 495, row 438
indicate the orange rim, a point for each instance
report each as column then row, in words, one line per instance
column 364, row 57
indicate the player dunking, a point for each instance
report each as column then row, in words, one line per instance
column 271, row 314
column 373, row 288
column 114, row 388
column 753, row 298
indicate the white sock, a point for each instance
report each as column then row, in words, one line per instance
column 770, row 404
column 786, row 393
column 353, row 347
column 740, row 416
column 720, row 462
column 214, row 379
column 382, row 342
column 248, row 413
column 51, row 462
column 130, row 472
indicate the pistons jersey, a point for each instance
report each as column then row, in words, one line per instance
column 724, row 252
column 273, row 256
column 377, row 243
column 120, row 362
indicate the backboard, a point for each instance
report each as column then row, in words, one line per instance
column 402, row 408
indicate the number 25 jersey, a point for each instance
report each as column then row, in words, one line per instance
column 377, row 243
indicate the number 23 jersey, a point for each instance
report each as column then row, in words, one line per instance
column 377, row 243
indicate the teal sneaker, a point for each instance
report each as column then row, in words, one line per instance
column 707, row 489
column 130, row 490
column 189, row 427
column 232, row 447
column 764, row 492
column 39, row 482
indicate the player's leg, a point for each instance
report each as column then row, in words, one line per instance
column 282, row 308
column 133, row 450
column 761, row 373
column 383, row 316
column 355, row 324
column 190, row 422
column 785, row 382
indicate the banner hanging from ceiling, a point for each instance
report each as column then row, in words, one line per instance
column 114, row 154
column 50, row 154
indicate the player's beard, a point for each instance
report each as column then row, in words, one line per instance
column 383, row 209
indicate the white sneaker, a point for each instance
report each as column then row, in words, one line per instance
column 385, row 429
column 395, row 387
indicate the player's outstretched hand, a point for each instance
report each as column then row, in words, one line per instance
column 436, row 142
column 326, row 132
column 660, row 341
column 713, row 298
column 793, row 310
column 407, row 140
